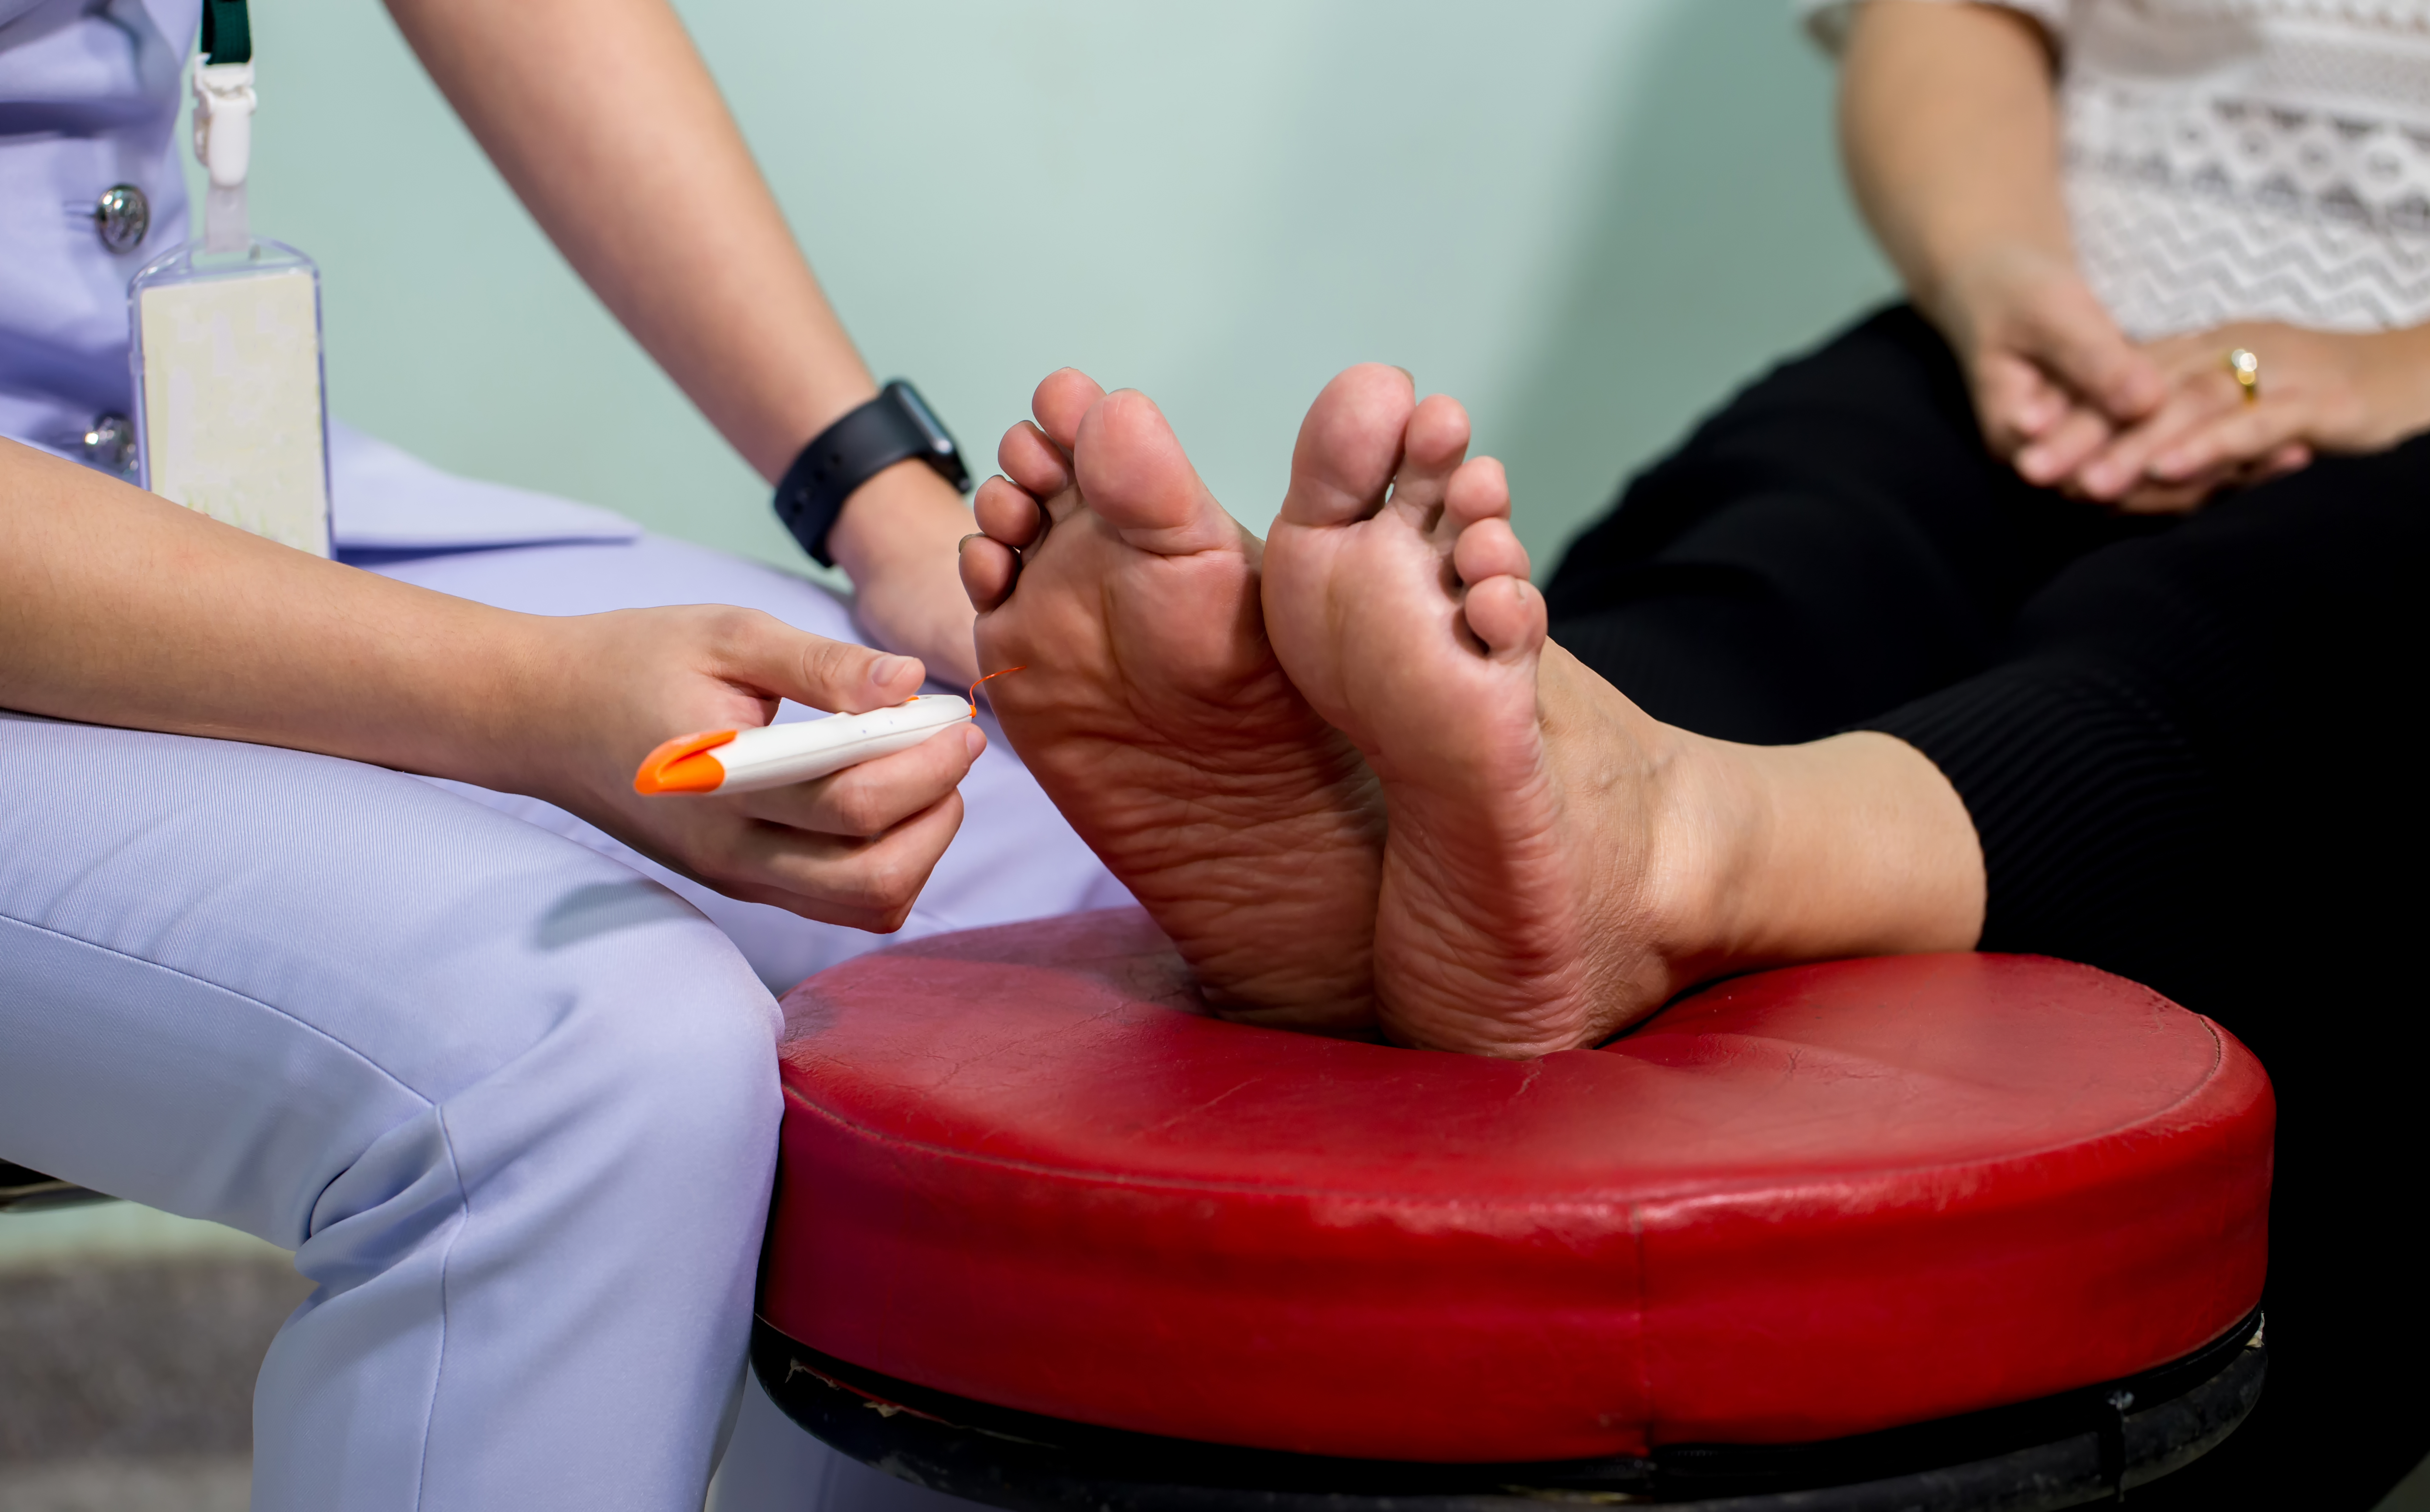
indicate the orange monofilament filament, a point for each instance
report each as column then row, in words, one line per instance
column 989, row 678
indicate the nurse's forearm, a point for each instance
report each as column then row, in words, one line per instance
column 603, row 118
column 1951, row 138
column 118, row 607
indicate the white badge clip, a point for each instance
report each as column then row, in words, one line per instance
column 230, row 409
column 223, row 103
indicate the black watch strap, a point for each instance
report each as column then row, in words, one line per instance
column 895, row 426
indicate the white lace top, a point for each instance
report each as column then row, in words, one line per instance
column 2242, row 159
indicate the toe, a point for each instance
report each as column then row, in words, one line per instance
column 1134, row 474
column 1008, row 513
column 1349, row 446
column 1031, row 460
column 1508, row 614
column 989, row 568
column 1479, row 491
column 1060, row 402
column 1431, row 451
column 1489, row 548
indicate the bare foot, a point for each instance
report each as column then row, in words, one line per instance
column 1154, row 714
column 1522, row 907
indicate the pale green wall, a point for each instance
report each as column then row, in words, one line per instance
column 1586, row 220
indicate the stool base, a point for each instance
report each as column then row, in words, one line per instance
column 26, row 1190
column 2083, row 1446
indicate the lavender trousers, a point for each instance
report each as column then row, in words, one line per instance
column 505, row 1089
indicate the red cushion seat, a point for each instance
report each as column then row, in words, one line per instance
column 1019, row 1167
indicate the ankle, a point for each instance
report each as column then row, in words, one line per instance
column 1766, row 856
column 1852, row 845
column 1712, row 827
column 1678, row 826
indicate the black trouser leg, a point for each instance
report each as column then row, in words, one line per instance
column 2181, row 746
column 2187, row 763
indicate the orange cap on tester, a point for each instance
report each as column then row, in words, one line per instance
column 683, row 765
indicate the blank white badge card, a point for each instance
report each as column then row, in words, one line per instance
column 231, row 394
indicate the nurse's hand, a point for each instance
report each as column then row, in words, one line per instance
column 119, row 608
column 854, row 848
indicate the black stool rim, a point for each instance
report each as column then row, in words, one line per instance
column 2060, row 1451
column 23, row 1189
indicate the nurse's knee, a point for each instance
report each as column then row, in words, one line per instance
column 667, row 1046
column 696, row 1045
column 627, row 1072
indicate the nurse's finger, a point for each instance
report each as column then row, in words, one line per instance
column 762, row 652
column 864, row 801
column 866, row 884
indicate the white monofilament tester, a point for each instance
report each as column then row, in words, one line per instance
column 731, row 761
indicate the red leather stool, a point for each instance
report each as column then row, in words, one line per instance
column 1944, row 1231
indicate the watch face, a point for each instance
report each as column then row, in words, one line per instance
column 942, row 453
column 909, row 397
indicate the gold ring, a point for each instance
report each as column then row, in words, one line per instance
column 2246, row 369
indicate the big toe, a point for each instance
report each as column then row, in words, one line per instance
column 1134, row 474
column 1350, row 446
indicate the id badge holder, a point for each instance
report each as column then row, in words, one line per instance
column 230, row 404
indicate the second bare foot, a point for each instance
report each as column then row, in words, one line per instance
column 1559, row 863
column 1520, row 910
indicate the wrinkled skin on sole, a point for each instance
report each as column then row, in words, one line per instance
column 1155, row 712
column 1508, row 922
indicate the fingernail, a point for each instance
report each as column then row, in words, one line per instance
column 884, row 670
column 974, row 741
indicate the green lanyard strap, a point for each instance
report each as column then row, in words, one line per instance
column 227, row 32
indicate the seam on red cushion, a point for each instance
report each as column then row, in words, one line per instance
column 1632, row 1201
column 2209, row 1081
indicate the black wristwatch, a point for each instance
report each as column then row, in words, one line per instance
column 889, row 428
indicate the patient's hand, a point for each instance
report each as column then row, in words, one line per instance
column 2319, row 391
column 854, row 848
column 2053, row 379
